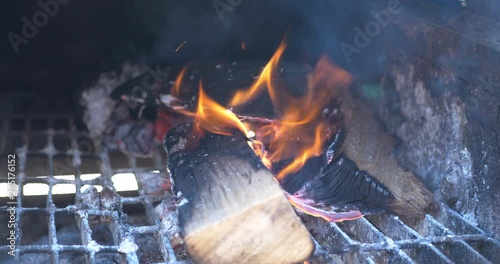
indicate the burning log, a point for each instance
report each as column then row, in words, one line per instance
column 231, row 209
column 358, row 172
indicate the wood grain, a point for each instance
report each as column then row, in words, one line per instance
column 372, row 149
column 233, row 211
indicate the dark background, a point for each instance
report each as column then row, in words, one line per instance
column 85, row 38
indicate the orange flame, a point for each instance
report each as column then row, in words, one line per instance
column 306, row 152
column 299, row 132
column 176, row 88
column 215, row 118
column 264, row 80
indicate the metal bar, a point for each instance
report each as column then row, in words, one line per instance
column 21, row 153
column 472, row 257
column 166, row 248
column 393, row 227
column 50, row 150
column 119, row 228
column 64, row 248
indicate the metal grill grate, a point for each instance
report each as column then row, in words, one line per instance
column 443, row 237
column 123, row 233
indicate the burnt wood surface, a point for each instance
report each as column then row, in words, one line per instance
column 231, row 210
column 341, row 182
column 373, row 151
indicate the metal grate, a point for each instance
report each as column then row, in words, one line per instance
column 124, row 234
column 443, row 237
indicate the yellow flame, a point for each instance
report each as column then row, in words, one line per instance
column 176, row 88
column 299, row 131
column 264, row 80
column 215, row 118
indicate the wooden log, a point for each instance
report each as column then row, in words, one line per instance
column 231, row 208
column 371, row 148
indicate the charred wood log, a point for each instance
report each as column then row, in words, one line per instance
column 231, row 209
column 359, row 171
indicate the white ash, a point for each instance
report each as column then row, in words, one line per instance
column 168, row 99
column 89, row 199
column 153, row 182
column 76, row 160
column 165, row 207
column 179, row 146
column 433, row 138
column 93, row 246
column 184, row 201
column 98, row 105
column 110, row 200
column 49, row 150
column 127, row 246
column 167, row 212
column 170, row 224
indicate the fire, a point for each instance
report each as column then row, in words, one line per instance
column 215, row 118
column 264, row 80
column 176, row 88
column 299, row 131
column 314, row 149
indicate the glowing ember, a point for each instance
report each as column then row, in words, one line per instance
column 180, row 46
column 330, row 216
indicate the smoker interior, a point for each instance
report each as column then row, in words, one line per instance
column 63, row 228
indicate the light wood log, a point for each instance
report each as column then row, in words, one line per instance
column 231, row 209
column 372, row 149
